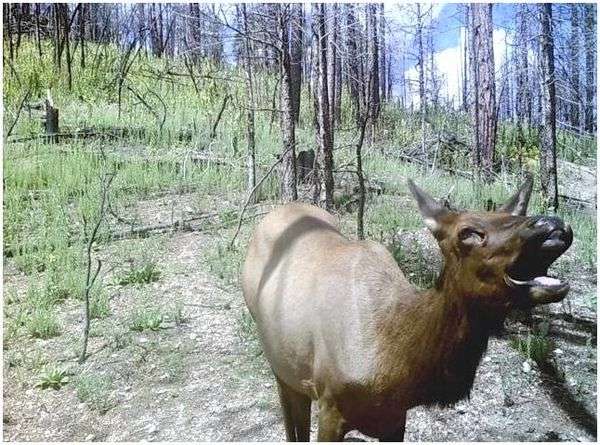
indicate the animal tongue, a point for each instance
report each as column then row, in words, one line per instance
column 547, row 281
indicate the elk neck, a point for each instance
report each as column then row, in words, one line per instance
column 435, row 339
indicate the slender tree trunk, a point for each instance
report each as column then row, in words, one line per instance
column 82, row 33
column 421, row 70
column 67, row 31
column 374, row 98
column 325, row 129
column 523, row 98
column 590, row 66
column 288, row 180
column 353, row 60
column 250, row 131
column 332, row 58
column 297, row 44
column 7, row 14
column 465, row 80
column 382, row 53
column 484, row 87
column 57, row 41
column 574, row 115
column 548, row 174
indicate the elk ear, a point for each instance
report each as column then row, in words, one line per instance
column 432, row 210
column 517, row 205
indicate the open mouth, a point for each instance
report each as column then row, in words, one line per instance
column 529, row 273
column 542, row 289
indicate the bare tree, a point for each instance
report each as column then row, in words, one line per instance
column 484, row 88
column 324, row 115
column 296, row 49
column 250, row 131
column 548, row 177
column 288, row 178
column 590, row 66
column 574, row 114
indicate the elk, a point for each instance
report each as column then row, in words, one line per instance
column 341, row 325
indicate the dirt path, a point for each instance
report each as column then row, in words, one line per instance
column 204, row 379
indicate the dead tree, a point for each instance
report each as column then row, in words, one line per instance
column 590, row 66
column 288, row 131
column 548, row 175
column 484, row 89
column 250, row 131
column 91, row 277
column 324, row 114
column 296, row 49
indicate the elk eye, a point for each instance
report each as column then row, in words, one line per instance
column 471, row 236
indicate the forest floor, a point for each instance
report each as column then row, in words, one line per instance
column 200, row 375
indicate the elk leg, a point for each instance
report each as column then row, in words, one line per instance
column 332, row 426
column 296, row 413
column 398, row 434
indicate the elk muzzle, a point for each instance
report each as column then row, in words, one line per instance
column 543, row 240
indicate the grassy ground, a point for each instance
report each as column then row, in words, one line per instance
column 167, row 312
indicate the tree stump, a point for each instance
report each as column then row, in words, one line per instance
column 51, row 121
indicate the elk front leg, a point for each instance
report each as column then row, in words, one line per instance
column 332, row 426
column 398, row 434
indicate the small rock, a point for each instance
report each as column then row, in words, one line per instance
column 89, row 438
column 152, row 429
column 558, row 351
column 526, row 367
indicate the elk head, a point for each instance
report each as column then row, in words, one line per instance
column 497, row 260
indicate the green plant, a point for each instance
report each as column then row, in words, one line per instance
column 99, row 304
column 172, row 366
column 535, row 345
column 146, row 318
column 53, row 377
column 95, row 392
column 42, row 323
column 144, row 274
column 224, row 262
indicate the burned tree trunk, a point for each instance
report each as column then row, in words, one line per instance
column 353, row 65
column 548, row 177
column 590, row 67
column 324, row 115
column 484, row 88
column 288, row 177
column 250, row 131
column 296, row 46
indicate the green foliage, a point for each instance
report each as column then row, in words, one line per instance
column 535, row 346
column 415, row 263
column 53, row 377
column 95, row 391
column 224, row 262
column 141, row 274
column 172, row 367
column 146, row 319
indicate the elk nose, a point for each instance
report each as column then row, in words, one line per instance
column 557, row 234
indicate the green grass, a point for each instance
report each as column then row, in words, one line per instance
column 142, row 274
column 146, row 319
column 224, row 261
column 53, row 377
column 536, row 347
column 95, row 391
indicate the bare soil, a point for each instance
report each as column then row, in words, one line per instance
column 203, row 378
